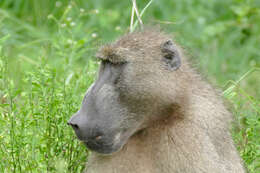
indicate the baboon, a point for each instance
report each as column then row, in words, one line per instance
column 149, row 111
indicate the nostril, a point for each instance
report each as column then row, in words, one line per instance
column 75, row 126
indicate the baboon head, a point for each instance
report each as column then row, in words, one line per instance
column 138, row 83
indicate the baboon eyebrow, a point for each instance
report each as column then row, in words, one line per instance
column 112, row 58
column 108, row 53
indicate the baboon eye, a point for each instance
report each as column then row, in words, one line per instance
column 107, row 62
column 103, row 60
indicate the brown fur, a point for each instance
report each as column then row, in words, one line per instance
column 193, row 134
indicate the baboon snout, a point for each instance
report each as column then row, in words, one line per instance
column 84, row 130
column 96, row 138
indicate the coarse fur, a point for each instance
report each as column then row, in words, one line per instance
column 184, row 125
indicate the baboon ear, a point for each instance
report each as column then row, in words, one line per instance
column 170, row 55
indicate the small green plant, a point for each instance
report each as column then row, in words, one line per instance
column 246, row 110
column 34, row 136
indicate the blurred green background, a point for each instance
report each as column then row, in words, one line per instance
column 46, row 65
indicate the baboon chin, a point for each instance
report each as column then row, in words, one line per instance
column 152, row 113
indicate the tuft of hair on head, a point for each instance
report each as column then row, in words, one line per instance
column 105, row 52
column 108, row 51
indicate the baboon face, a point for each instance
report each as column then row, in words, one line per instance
column 131, row 91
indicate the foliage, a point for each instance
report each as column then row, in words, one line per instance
column 46, row 65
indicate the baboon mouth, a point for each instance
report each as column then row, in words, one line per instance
column 105, row 149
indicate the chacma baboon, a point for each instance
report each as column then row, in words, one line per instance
column 149, row 112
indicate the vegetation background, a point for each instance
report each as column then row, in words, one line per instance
column 46, row 65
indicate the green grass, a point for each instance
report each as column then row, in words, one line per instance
column 46, row 66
